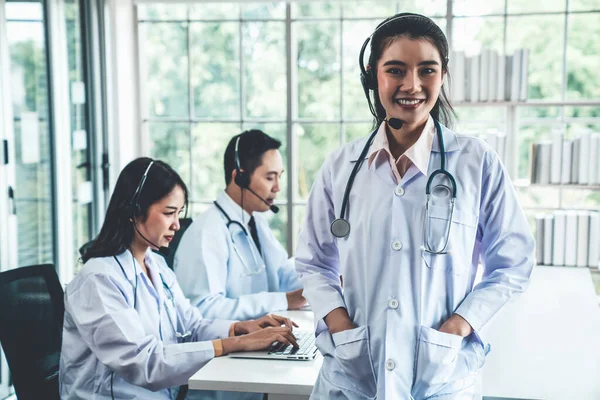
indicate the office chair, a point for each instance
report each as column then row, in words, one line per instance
column 184, row 223
column 31, row 322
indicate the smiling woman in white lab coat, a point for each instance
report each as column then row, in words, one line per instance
column 405, row 216
column 129, row 332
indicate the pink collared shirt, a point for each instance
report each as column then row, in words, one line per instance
column 418, row 154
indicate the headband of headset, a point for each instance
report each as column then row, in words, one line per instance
column 242, row 178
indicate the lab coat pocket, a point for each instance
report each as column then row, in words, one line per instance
column 456, row 239
column 437, row 357
column 333, row 383
column 353, row 353
column 447, row 364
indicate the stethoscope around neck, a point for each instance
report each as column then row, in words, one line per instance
column 340, row 227
column 231, row 222
column 179, row 321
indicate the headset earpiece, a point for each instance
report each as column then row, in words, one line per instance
column 368, row 79
column 242, row 179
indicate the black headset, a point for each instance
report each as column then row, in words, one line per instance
column 242, row 178
column 133, row 208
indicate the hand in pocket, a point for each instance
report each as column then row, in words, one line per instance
column 353, row 354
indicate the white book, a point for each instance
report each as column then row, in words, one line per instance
column 508, row 68
column 501, row 78
column 524, row 76
column 492, row 74
column 571, row 239
column 584, row 158
column 472, row 79
column 556, row 166
column 515, row 84
column 583, row 237
column 539, row 239
column 594, row 245
column 457, row 68
column 545, row 159
column 558, row 243
column 534, row 173
column 575, row 160
column 594, row 171
column 565, row 176
column 484, row 77
column 597, row 162
column 548, row 238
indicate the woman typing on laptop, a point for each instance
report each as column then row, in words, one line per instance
column 129, row 332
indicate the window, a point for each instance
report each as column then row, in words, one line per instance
column 33, row 165
column 211, row 70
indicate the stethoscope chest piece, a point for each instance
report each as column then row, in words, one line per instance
column 340, row 228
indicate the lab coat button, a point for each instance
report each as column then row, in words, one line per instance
column 390, row 364
column 399, row 191
column 397, row 245
column 393, row 303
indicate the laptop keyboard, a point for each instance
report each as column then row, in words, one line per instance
column 306, row 341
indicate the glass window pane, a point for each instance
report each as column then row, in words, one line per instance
column 538, row 112
column 209, row 141
column 33, row 156
column 426, row 7
column 473, row 34
column 316, row 9
column 357, row 131
column 162, row 12
column 215, row 64
column 223, row 11
column 583, row 59
column 539, row 34
column 164, row 69
column 278, row 224
column 583, row 111
column 262, row 10
column 527, row 6
column 279, row 132
column 480, row 114
column 473, row 8
column 79, row 136
column 369, row 9
column 170, row 142
column 265, row 83
column 584, row 5
column 318, row 63
column 315, row 142
column 355, row 34
column 24, row 10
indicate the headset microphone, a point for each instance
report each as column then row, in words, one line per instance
column 273, row 207
column 394, row 123
column 164, row 250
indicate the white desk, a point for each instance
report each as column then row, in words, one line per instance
column 544, row 346
column 281, row 379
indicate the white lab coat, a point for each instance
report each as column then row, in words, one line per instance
column 212, row 275
column 395, row 293
column 103, row 332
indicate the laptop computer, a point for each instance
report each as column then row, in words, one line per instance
column 281, row 351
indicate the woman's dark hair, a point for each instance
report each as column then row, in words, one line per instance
column 418, row 27
column 253, row 145
column 117, row 230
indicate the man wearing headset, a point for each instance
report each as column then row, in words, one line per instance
column 228, row 262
